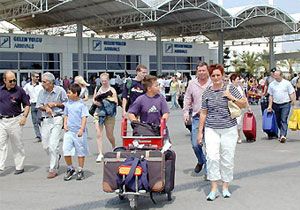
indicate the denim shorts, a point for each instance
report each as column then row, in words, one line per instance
column 71, row 141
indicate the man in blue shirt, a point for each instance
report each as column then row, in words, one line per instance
column 50, row 102
column 12, row 99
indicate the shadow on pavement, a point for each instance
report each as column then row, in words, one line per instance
column 162, row 200
column 116, row 203
column 11, row 169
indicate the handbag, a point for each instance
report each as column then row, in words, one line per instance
column 92, row 109
column 293, row 123
column 144, row 129
column 235, row 110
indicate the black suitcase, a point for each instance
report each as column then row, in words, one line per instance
column 170, row 158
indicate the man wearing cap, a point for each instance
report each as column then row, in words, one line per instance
column 32, row 89
column 50, row 102
column 12, row 99
column 282, row 96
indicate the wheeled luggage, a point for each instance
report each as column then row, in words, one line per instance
column 160, row 173
column 249, row 126
column 269, row 124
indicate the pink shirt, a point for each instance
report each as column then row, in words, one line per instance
column 193, row 96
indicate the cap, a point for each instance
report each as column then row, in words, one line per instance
column 273, row 70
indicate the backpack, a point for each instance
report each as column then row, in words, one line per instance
column 128, row 85
column 129, row 181
column 298, row 84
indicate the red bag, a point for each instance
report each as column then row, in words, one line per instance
column 249, row 126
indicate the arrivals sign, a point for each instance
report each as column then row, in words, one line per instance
column 20, row 42
column 107, row 45
column 177, row 48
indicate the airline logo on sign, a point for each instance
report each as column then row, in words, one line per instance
column 4, row 42
column 168, row 48
column 97, row 45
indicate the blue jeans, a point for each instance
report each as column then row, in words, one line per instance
column 282, row 112
column 174, row 103
column 35, row 115
column 194, row 136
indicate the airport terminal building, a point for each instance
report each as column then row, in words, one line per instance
column 25, row 53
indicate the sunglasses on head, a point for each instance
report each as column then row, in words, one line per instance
column 11, row 81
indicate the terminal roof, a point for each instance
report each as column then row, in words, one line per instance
column 174, row 17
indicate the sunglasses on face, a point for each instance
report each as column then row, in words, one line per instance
column 13, row 80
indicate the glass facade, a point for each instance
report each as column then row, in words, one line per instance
column 107, row 62
column 30, row 61
column 176, row 63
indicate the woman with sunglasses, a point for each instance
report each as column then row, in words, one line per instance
column 220, row 130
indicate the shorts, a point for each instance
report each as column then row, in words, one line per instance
column 71, row 141
column 109, row 121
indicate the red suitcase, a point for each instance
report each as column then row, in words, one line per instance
column 249, row 126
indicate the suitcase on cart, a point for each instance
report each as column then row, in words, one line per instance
column 269, row 124
column 249, row 126
column 161, row 169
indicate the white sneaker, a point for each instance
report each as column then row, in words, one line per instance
column 99, row 158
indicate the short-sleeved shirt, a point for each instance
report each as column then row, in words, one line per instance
column 136, row 89
column 216, row 104
column 75, row 110
column 57, row 95
column 150, row 109
column 33, row 91
column 12, row 101
column 84, row 93
column 281, row 91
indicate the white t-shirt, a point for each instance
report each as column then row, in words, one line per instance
column 33, row 91
column 281, row 91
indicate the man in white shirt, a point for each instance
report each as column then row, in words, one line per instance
column 282, row 95
column 32, row 89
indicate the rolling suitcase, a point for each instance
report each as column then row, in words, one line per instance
column 249, row 126
column 161, row 169
column 269, row 124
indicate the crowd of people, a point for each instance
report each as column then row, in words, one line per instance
column 205, row 99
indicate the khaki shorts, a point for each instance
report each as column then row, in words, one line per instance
column 109, row 121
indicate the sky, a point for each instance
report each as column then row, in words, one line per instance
column 290, row 6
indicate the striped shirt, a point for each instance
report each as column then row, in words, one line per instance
column 218, row 115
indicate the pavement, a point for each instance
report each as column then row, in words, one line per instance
column 266, row 176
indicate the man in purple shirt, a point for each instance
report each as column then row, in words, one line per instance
column 12, row 99
column 150, row 107
column 133, row 88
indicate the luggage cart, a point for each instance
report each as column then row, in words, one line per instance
column 133, row 143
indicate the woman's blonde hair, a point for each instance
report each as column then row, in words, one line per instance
column 104, row 75
column 79, row 80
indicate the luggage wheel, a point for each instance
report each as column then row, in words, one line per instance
column 121, row 197
column 133, row 201
column 169, row 196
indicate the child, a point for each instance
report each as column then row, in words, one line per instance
column 75, row 118
column 150, row 107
